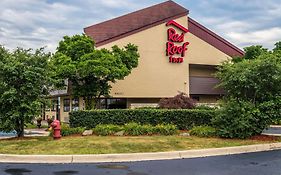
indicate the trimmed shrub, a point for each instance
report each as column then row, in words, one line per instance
column 205, row 107
column 135, row 129
column 243, row 119
column 203, row 131
column 182, row 118
column 180, row 101
column 105, row 130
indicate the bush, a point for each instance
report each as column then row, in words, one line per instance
column 243, row 119
column 167, row 129
column 135, row 129
column 203, row 131
column 180, row 101
column 182, row 118
column 277, row 122
column 105, row 130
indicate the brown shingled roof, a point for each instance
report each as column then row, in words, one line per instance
column 213, row 39
column 126, row 25
column 131, row 23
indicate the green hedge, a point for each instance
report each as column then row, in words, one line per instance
column 182, row 118
column 135, row 129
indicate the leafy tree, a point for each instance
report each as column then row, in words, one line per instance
column 252, row 80
column 251, row 53
column 23, row 83
column 253, row 94
column 90, row 71
column 180, row 101
column 277, row 47
column 238, row 118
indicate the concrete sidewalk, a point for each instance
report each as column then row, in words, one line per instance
column 99, row 158
column 31, row 133
column 36, row 132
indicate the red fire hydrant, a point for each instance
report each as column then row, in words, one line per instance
column 56, row 128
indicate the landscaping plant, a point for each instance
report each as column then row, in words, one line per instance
column 203, row 131
column 24, row 85
column 135, row 129
column 180, row 101
column 66, row 130
column 108, row 129
column 182, row 118
column 253, row 93
column 90, row 71
column 165, row 129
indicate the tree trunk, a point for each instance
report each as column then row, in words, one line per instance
column 89, row 103
column 20, row 127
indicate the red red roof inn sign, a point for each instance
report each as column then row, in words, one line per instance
column 173, row 47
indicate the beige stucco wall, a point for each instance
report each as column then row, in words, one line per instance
column 200, row 52
column 65, row 115
column 155, row 77
column 142, row 102
column 49, row 113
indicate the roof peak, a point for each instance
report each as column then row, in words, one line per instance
column 170, row 2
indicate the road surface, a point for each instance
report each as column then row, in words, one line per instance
column 262, row 163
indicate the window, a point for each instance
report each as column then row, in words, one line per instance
column 66, row 105
column 75, row 104
column 116, row 104
column 112, row 103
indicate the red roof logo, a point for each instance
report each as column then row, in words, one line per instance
column 174, row 23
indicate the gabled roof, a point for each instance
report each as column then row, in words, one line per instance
column 213, row 39
column 131, row 23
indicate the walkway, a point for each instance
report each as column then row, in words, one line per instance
column 31, row 133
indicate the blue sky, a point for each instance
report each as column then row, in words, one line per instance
column 38, row 23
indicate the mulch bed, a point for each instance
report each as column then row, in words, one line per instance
column 264, row 138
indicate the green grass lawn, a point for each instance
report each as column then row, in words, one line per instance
column 111, row 144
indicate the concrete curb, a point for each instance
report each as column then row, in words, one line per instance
column 110, row 158
column 275, row 126
column 269, row 134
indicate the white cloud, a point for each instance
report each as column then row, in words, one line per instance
column 242, row 22
column 266, row 37
column 38, row 23
column 33, row 23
